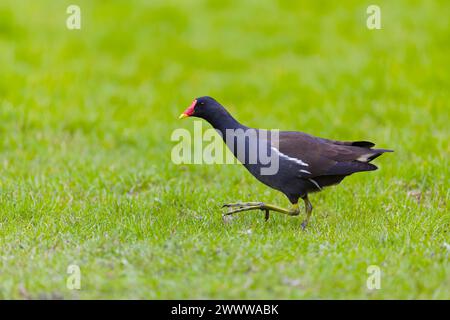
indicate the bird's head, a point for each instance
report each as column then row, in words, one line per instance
column 203, row 107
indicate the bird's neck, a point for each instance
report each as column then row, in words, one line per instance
column 223, row 120
column 233, row 133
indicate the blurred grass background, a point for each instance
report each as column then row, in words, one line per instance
column 86, row 177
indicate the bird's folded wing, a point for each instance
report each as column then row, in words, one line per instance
column 321, row 156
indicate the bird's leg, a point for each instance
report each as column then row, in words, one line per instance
column 294, row 211
column 308, row 209
column 241, row 204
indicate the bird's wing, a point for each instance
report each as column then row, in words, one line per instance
column 324, row 157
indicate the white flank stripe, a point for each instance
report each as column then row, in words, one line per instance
column 305, row 171
column 300, row 162
column 317, row 185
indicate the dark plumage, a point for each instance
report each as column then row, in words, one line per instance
column 306, row 163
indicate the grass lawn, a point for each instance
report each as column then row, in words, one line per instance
column 86, row 176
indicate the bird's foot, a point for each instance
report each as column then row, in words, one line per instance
column 267, row 215
column 247, row 206
column 244, row 206
column 241, row 204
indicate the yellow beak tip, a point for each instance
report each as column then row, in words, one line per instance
column 183, row 115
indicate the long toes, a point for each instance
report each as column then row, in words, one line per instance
column 233, row 205
column 242, row 209
column 230, row 205
column 241, row 204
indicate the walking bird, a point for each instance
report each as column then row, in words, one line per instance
column 304, row 163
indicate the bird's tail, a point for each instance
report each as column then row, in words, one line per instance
column 374, row 153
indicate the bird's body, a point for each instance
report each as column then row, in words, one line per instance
column 307, row 163
column 304, row 163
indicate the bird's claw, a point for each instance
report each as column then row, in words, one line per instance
column 267, row 215
column 242, row 204
column 239, row 207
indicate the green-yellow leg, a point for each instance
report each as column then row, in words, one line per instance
column 294, row 211
column 308, row 209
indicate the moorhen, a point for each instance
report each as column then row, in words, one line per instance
column 304, row 163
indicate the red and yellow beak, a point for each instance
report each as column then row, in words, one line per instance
column 189, row 111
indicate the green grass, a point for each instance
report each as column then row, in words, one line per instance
column 86, row 176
